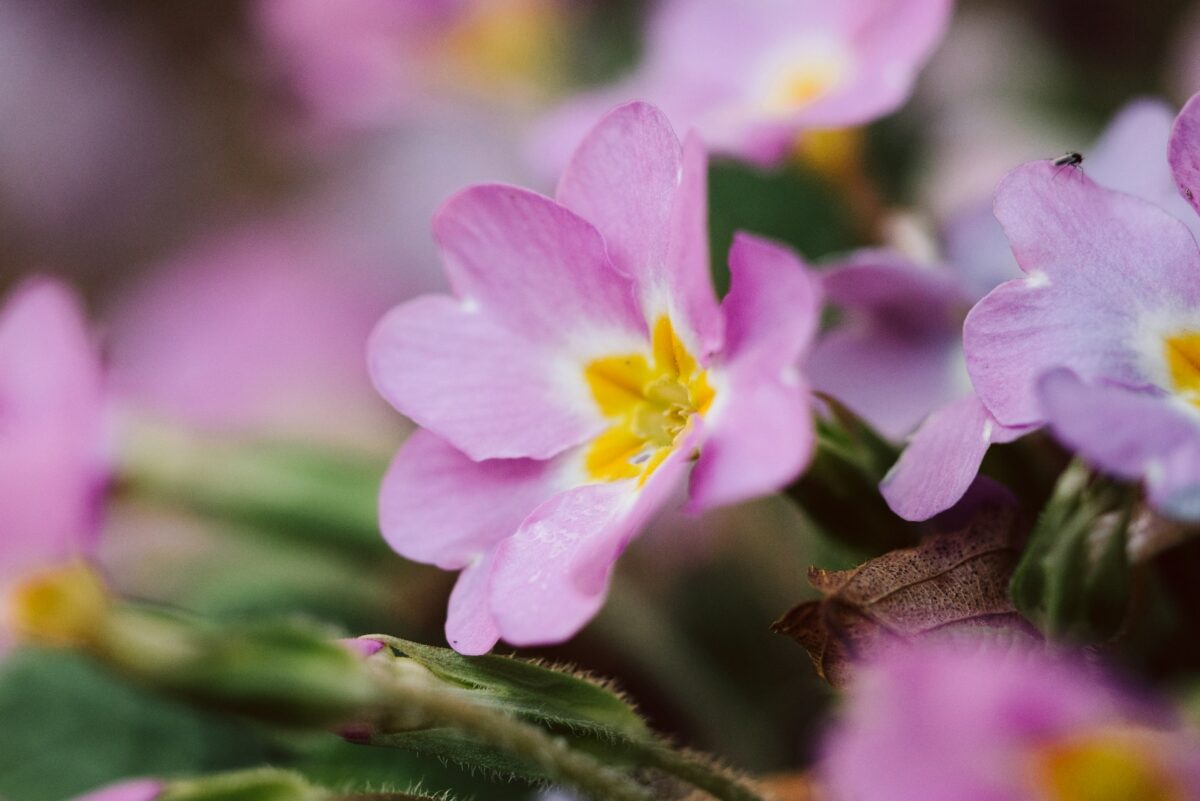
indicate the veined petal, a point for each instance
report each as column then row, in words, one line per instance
column 470, row 627
column 942, row 459
column 647, row 195
column 438, row 506
column 1102, row 268
column 536, row 267
column 552, row 576
column 466, row 376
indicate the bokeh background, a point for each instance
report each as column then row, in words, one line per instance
column 236, row 239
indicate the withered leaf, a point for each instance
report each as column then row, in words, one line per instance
column 952, row 583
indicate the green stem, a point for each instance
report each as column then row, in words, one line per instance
column 412, row 700
column 700, row 772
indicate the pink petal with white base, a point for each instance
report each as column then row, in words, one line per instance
column 439, row 507
column 943, row 459
column 492, row 393
column 647, row 196
column 760, row 431
column 1095, row 259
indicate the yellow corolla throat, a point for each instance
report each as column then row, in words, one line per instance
column 800, row 81
column 651, row 401
column 1182, row 353
column 1116, row 765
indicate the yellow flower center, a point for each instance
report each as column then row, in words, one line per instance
column 1182, row 353
column 651, row 401
column 511, row 44
column 801, row 82
column 61, row 606
column 1110, row 765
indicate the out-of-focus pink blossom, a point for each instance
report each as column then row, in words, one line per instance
column 581, row 365
column 135, row 790
column 752, row 75
column 944, row 722
column 364, row 63
column 52, row 465
column 1101, row 337
column 946, row 450
column 260, row 331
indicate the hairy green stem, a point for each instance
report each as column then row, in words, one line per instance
column 700, row 772
column 414, row 701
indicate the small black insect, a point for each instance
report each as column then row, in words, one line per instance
column 1068, row 160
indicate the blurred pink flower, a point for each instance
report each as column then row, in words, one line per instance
column 259, row 331
column 751, row 76
column 135, row 790
column 948, row 722
column 581, row 365
column 365, row 63
column 52, row 465
column 946, row 450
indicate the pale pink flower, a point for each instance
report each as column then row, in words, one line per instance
column 581, row 366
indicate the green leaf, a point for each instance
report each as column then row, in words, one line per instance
column 67, row 727
column 1074, row 578
column 264, row 784
column 789, row 204
column 536, row 693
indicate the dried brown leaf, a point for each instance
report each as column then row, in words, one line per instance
column 950, row 583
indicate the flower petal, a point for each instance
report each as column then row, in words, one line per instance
column 470, row 627
column 773, row 307
column 1131, row 156
column 536, row 267
column 648, row 198
column 1097, row 260
column 897, row 355
column 760, row 431
column 492, row 393
column 942, row 459
column 439, row 507
column 1184, row 152
column 551, row 578
column 761, row 439
column 51, row 461
column 1129, row 434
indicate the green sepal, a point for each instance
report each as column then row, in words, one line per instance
column 1074, row 578
column 555, row 698
column 264, row 784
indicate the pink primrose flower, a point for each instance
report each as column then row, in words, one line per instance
column 945, row 451
column 581, row 367
column 1101, row 337
column 51, row 463
column 940, row 722
column 752, row 75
